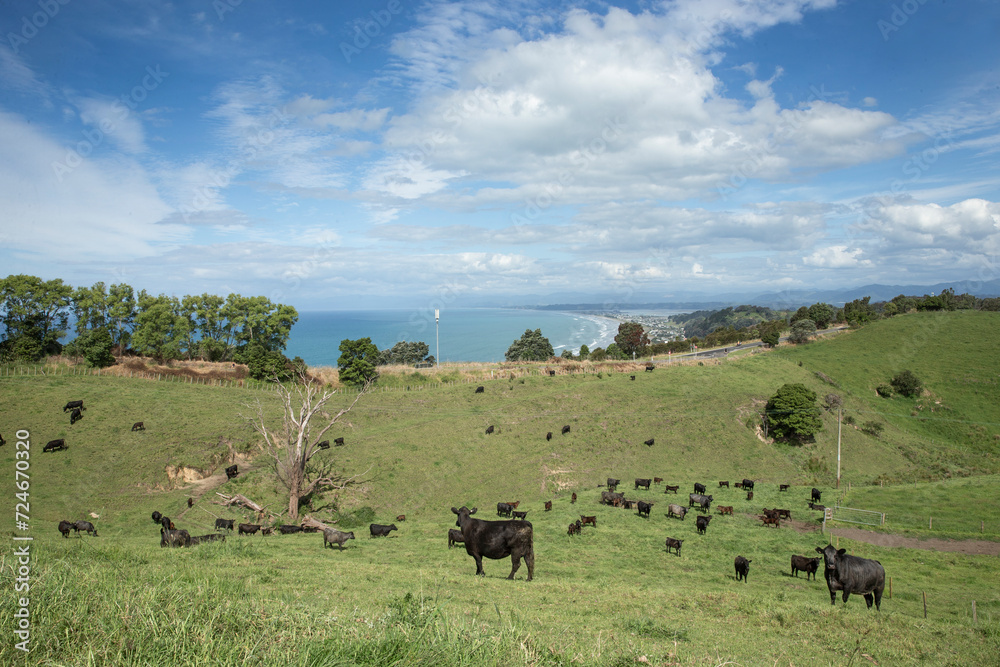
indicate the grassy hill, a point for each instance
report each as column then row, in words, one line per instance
column 613, row 594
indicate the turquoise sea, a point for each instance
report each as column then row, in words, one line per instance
column 465, row 334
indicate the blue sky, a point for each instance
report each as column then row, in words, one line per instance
column 401, row 154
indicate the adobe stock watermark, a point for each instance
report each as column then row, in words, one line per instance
column 22, row 553
column 369, row 28
column 898, row 17
column 30, row 25
column 122, row 108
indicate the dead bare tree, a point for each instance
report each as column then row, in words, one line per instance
column 292, row 443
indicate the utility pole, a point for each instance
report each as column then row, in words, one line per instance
column 839, row 411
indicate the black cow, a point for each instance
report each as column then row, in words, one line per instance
column 454, row 537
column 54, row 445
column 852, row 574
column 701, row 522
column 814, row 506
column 2, row 441
column 548, row 436
column 380, row 530
column 224, row 524
column 156, row 517
column 575, row 528
column 504, row 509
column 613, row 483
column 65, row 527
column 325, row 444
column 75, row 416
column 339, row 442
column 807, row 565
column 138, row 426
column 551, row 372
column 72, row 405
column 643, row 483
column 816, row 495
column 674, row 544
column 783, row 487
column 548, row 505
column 644, row 508
column 627, row 504
column 649, row 368
column 289, row 530
column 749, row 495
column 331, row 537
column 497, row 539
column 248, row 528
column 489, row 429
column 748, row 484
column 480, row 389
column 174, row 538
column 703, row 501
column 520, row 515
column 724, row 484
column 699, row 488
column 671, row 489
column 573, row 499
column 742, row 568
column 232, row 471
column 166, row 523
column 649, row 442
column 676, row 510
column 565, row 429
column 611, row 498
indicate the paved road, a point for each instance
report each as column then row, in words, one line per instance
column 724, row 351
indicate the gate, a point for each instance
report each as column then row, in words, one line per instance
column 853, row 515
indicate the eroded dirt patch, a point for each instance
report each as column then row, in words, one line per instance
column 970, row 547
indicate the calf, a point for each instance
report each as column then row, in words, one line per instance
column 742, row 568
column 289, row 530
column 771, row 521
column 784, row 514
column 497, row 539
column 852, row 574
column 454, row 537
column 224, row 524
column 588, row 520
column 649, row 368
column 548, row 436
column 671, row 489
column 738, row 485
column 699, row 488
column 248, row 528
column 814, row 506
column 565, row 429
column 232, row 471
column 674, row 544
column 783, row 487
column 551, row 372
column 631, row 377
column 65, row 527
column 72, row 405
column 75, row 416
column 644, row 508
column 573, row 499
column 657, row 480
column 54, row 445
column 725, row 509
column 489, row 429
column 331, row 537
column 724, row 484
column 807, row 565
column 520, row 515
column 339, row 442
column 401, row 518
column 677, row 511
column 701, row 523
column 548, row 505
column 575, row 528
column 749, row 495
column 816, row 496
column 613, row 483
column 649, row 443
column 643, row 483
column 380, row 530
column 138, row 426
column 87, row 527
column 626, row 504
column 266, row 530
column 480, row 389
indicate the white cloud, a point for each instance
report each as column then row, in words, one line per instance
column 113, row 121
column 836, row 257
column 972, row 225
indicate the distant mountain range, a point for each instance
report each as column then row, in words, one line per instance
column 778, row 300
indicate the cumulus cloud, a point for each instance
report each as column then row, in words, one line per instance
column 836, row 257
column 969, row 225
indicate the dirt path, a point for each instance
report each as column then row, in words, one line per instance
column 200, row 487
column 970, row 547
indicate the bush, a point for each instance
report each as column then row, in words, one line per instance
column 792, row 413
column 833, row 401
column 531, row 346
column 884, row 390
column 907, row 384
column 873, row 428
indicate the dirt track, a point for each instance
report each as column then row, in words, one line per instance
column 971, row 547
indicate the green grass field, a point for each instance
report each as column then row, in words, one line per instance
column 609, row 596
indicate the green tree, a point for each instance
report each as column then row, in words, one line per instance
column 907, row 384
column 859, row 311
column 792, row 413
column 357, row 361
column 598, row 354
column 35, row 315
column 405, row 353
column 822, row 314
column 632, row 339
column 802, row 331
column 770, row 337
column 257, row 318
column 584, row 351
column 162, row 331
column 94, row 345
column 531, row 346
column 264, row 364
column 904, row 304
column 615, row 352
column 800, row 314
column 112, row 309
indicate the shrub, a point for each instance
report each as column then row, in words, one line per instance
column 792, row 413
column 884, row 390
column 907, row 384
column 873, row 428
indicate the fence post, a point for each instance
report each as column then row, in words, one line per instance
column 925, row 603
column 973, row 611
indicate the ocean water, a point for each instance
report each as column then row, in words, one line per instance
column 466, row 334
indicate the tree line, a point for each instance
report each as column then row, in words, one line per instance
column 114, row 320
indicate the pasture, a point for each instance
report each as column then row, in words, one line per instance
column 611, row 595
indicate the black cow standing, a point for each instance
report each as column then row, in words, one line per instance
column 380, row 530
column 54, row 445
column 748, row 484
column 224, row 524
column 816, row 495
column 699, row 488
column 72, row 405
column 480, row 389
column 565, row 429
column 742, row 568
column 87, row 527
column 497, row 539
column 232, row 471
column 65, row 527
column 75, row 416
column 852, row 574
